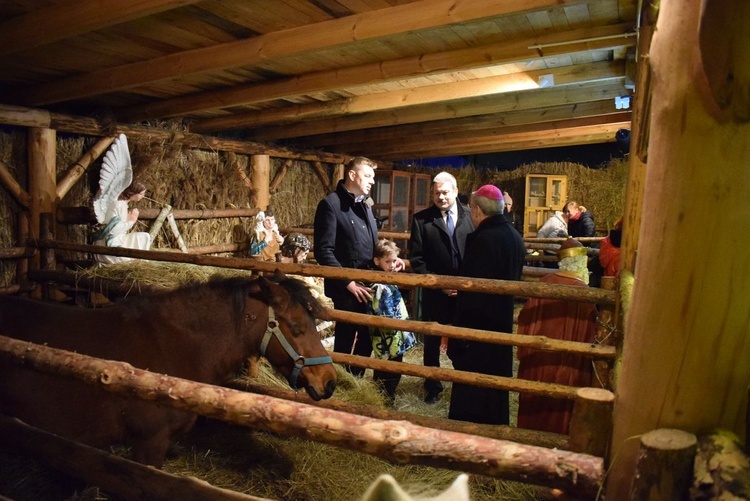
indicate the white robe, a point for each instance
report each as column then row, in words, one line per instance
column 119, row 234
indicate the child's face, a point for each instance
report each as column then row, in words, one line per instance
column 387, row 262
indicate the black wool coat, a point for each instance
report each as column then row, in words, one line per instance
column 583, row 226
column 345, row 236
column 495, row 250
column 430, row 252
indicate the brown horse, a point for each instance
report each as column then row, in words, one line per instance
column 203, row 333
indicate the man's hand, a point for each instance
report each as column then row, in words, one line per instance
column 361, row 292
column 400, row 265
column 450, row 292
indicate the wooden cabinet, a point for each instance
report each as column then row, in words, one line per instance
column 545, row 194
column 397, row 196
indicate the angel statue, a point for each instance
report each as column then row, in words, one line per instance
column 116, row 188
column 266, row 240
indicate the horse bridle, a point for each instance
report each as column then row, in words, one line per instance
column 299, row 360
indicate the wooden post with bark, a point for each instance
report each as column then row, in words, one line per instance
column 261, row 178
column 664, row 469
column 591, row 422
column 689, row 309
column 42, row 150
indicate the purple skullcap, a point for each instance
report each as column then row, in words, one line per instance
column 489, row 191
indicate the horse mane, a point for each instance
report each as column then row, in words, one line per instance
column 240, row 287
column 297, row 289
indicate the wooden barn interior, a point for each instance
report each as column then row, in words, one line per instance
column 231, row 107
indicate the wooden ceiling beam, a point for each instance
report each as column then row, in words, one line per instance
column 428, row 94
column 554, row 44
column 470, row 138
column 540, row 98
column 459, row 125
column 336, row 32
column 593, row 134
column 67, row 19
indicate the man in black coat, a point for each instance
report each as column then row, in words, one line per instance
column 345, row 236
column 494, row 250
column 433, row 250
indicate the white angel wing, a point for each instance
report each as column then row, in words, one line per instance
column 116, row 175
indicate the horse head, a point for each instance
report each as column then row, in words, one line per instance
column 291, row 342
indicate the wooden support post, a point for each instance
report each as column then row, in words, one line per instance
column 159, row 222
column 337, row 175
column 689, row 312
column 261, row 165
column 607, row 333
column 664, row 469
column 47, row 256
column 42, row 149
column 320, row 171
column 591, row 423
column 10, row 184
column 22, row 235
column 279, row 177
column 639, row 138
column 78, row 169
column 176, row 233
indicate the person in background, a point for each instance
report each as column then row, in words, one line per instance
column 609, row 251
column 494, row 250
column 580, row 221
column 510, row 214
column 556, row 226
column 437, row 247
column 557, row 319
column 345, row 236
column 266, row 240
column 386, row 301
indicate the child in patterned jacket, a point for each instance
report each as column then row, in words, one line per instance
column 386, row 301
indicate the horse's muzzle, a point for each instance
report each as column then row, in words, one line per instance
column 329, row 389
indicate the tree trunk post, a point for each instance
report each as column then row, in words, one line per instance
column 664, row 469
column 42, row 150
column 591, row 422
column 261, row 177
column 689, row 303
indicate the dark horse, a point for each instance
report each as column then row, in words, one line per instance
column 203, row 333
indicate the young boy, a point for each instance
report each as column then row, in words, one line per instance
column 387, row 301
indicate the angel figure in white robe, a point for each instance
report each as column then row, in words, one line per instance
column 116, row 188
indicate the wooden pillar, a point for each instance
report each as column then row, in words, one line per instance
column 22, row 232
column 338, row 174
column 686, row 362
column 42, row 148
column 261, row 179
column 591, row 422
column 639, row 138
column 664, row 470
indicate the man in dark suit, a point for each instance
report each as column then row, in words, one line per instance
column 494, row 250
column 345, row 236
column 437, row 246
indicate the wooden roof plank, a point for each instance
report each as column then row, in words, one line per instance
column 417, row 96
column 67, row 19
column 424, row 64
column 369, row 25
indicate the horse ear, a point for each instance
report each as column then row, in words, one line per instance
column 276, row 294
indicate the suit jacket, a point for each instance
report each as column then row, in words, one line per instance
column 345, row 236
column 430, row 252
